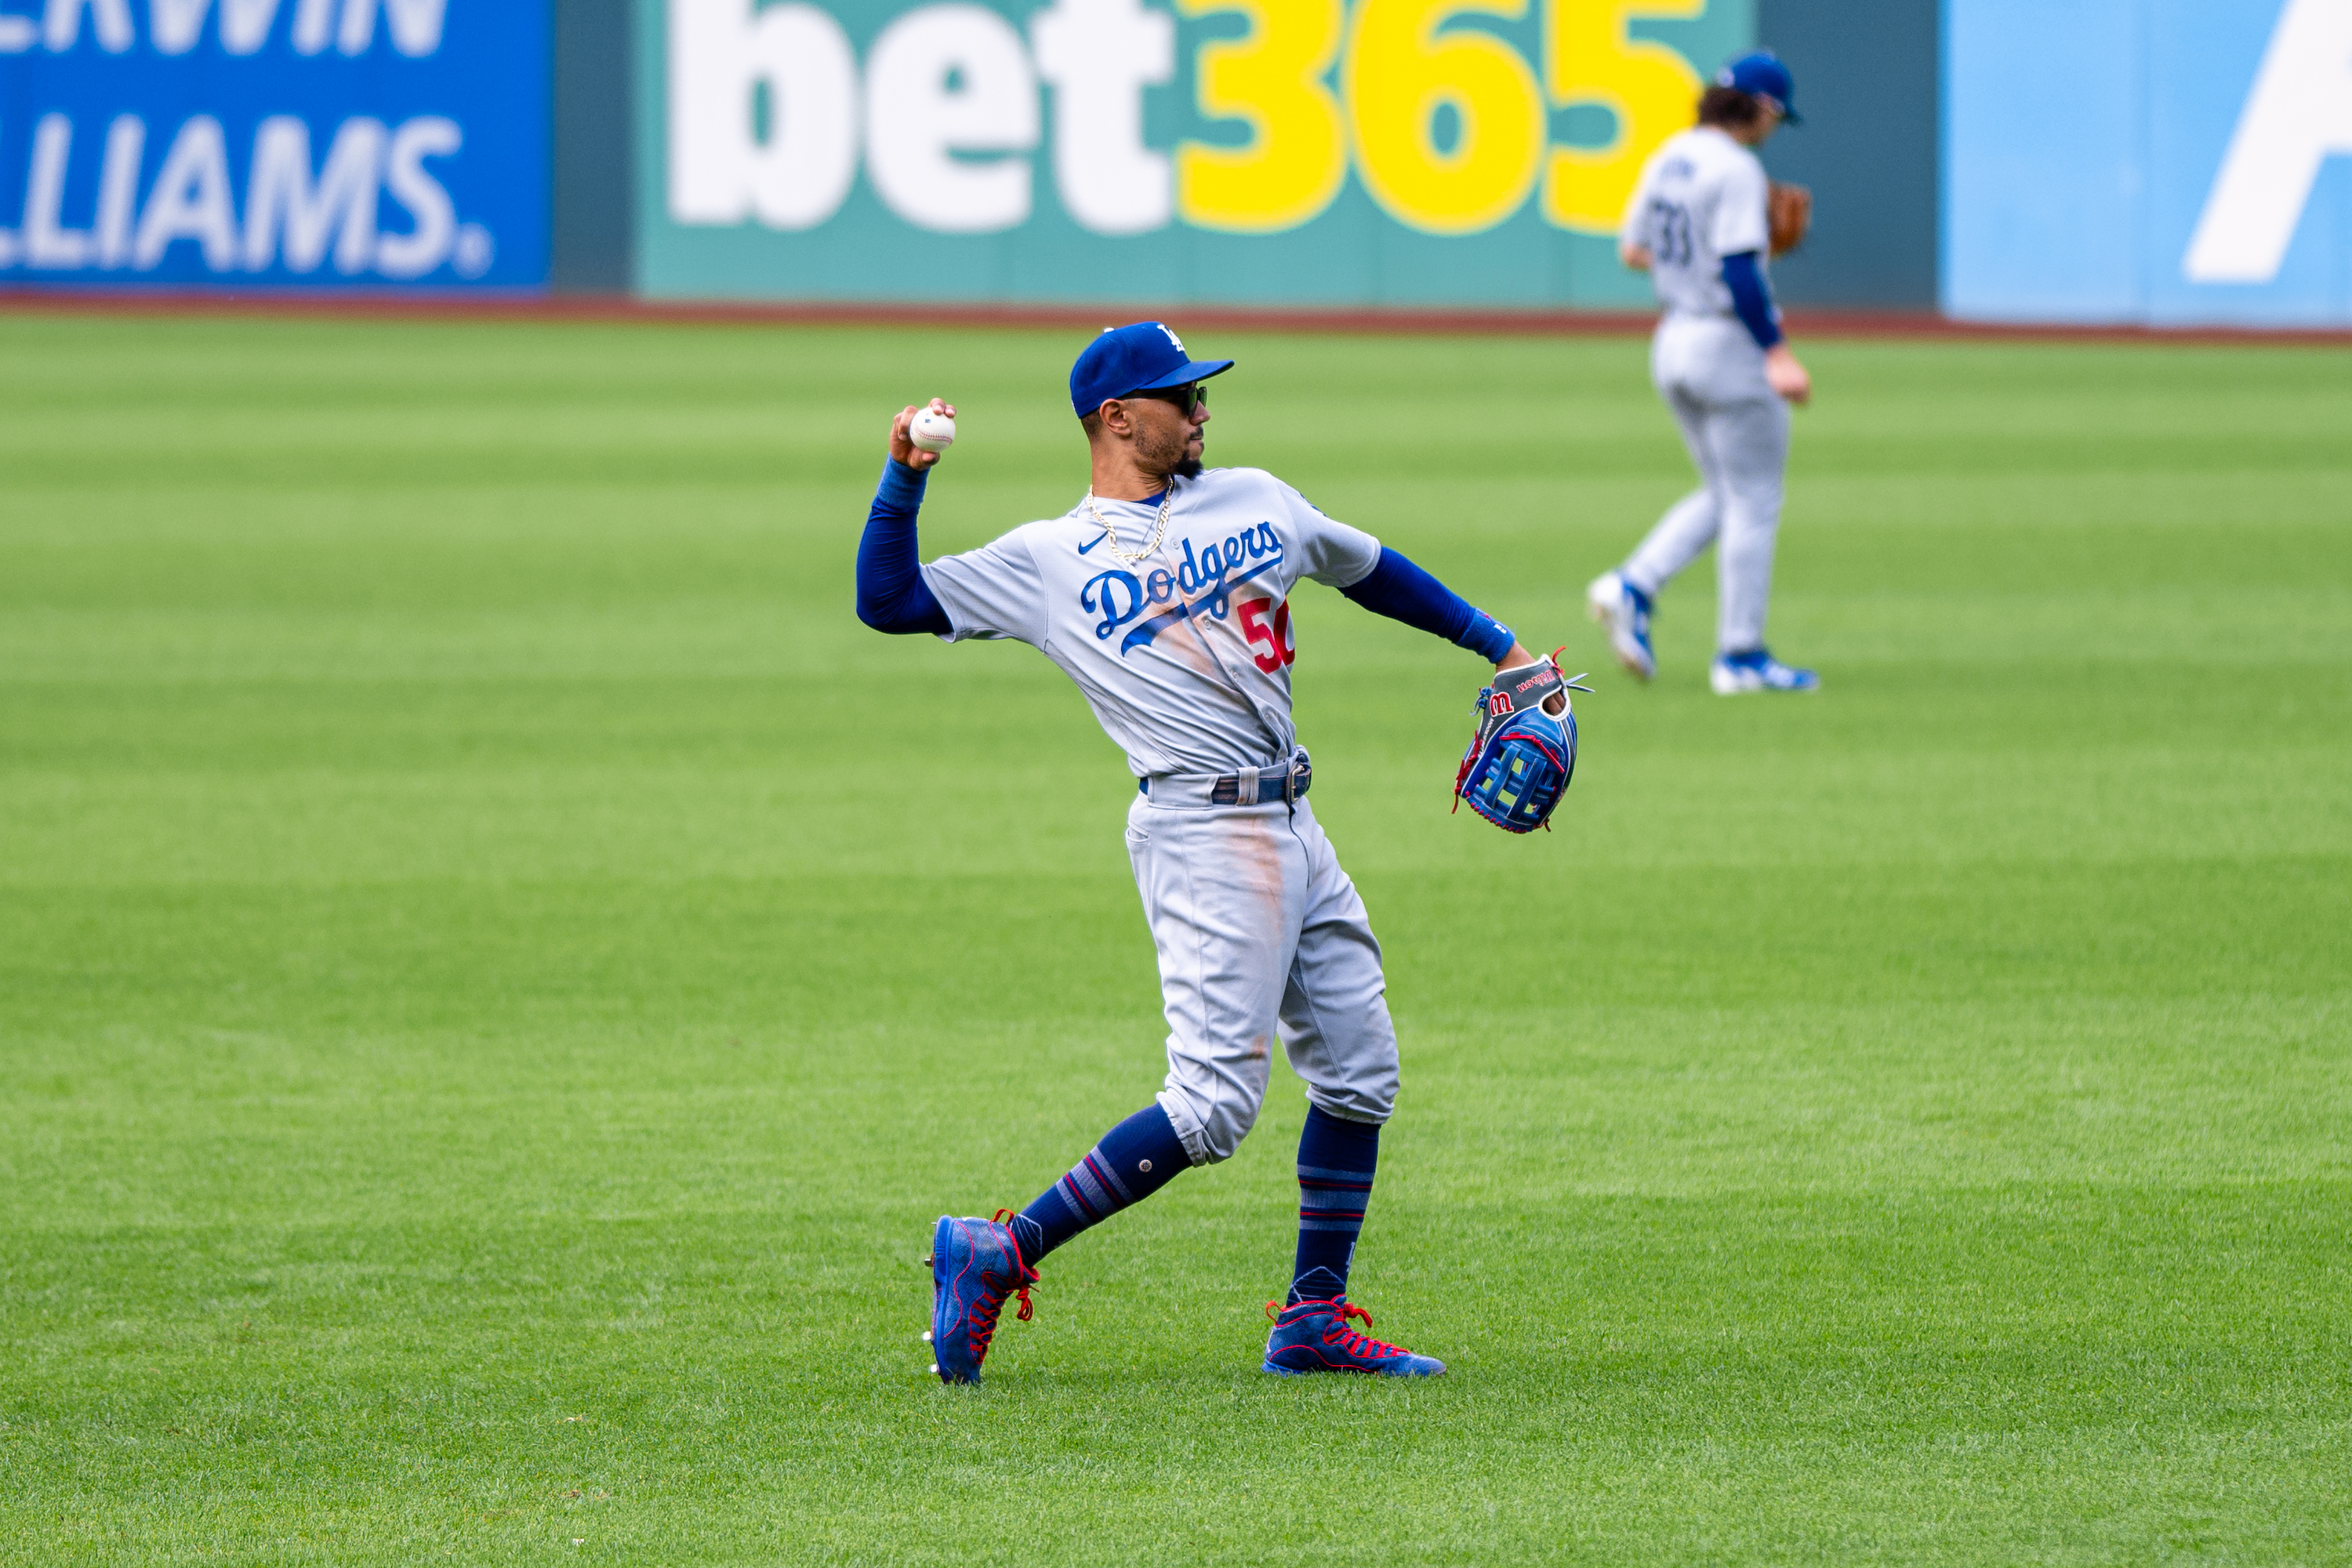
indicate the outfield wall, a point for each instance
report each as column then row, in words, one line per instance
column 2168, row 161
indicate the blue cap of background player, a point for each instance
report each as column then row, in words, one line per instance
column 1761, row 75
column 1142, row 357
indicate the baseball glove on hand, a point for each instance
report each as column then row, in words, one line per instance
column 1789, row 210
column 1521, row 758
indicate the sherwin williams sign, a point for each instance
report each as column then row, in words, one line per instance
column 2166, row 160
column 270, row 143
column 1464, row 152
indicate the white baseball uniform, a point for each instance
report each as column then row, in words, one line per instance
column 1703, row 196
column 1183, row 652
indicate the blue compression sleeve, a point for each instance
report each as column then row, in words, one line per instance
column 1402, row 591
column 1751, row 297
column 891, row 594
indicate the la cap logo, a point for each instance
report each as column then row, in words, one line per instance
column 1172, row 338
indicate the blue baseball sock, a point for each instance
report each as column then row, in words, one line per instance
column 1134, row 1160
column 1336, row 1159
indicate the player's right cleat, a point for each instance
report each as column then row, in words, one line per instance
column 1758, row 670
column 975, row 1264
column 1314, row 1336
column 1623, row 612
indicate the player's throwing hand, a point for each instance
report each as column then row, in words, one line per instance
column 902, row 439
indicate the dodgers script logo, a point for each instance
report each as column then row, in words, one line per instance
column 1206, row 582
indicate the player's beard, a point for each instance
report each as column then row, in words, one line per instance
column 1170, row 456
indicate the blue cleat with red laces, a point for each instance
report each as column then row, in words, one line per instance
column 975, row 1264
column 1314, row 1336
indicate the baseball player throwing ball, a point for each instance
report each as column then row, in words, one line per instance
column 1702, row 222
column 1163, row 594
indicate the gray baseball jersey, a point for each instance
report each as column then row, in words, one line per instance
column 1702, row 196
column 1183, row 651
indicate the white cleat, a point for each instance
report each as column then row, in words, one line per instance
column 1734, row 674
column 1623, row 612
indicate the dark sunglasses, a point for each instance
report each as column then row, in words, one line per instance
column 1186, row 398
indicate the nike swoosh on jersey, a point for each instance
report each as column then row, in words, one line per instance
column 1090, row 543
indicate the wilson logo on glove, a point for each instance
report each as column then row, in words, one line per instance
column 1521, row 758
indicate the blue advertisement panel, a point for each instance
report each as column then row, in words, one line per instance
column 366, row 144
column 1313, row 151
column 2172, row 161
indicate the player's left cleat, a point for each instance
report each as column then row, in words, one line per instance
column 975, row 1264
column 1623, row 612
column 1314, row 1336
column 1758, row 670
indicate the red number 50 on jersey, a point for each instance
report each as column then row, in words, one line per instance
column 1273, row 632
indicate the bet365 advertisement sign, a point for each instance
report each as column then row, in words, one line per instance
column 274, row 143
column 1332, row 152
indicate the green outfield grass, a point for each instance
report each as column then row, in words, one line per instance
column 498, row 971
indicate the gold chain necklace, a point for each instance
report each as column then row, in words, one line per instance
column 1159, row 528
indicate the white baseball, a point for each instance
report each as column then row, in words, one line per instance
column 932, row 431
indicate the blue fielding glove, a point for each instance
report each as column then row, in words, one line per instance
column 1522, row 758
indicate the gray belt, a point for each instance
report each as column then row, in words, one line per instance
column 1284, row 781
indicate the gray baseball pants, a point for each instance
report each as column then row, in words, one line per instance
column 1711, row 375
column 1260, row 936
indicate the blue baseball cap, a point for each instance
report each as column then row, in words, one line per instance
column 1141, row 357
column 1761, row 75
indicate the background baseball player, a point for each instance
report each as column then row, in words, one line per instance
column 1701, row 222
column 1162, row 593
